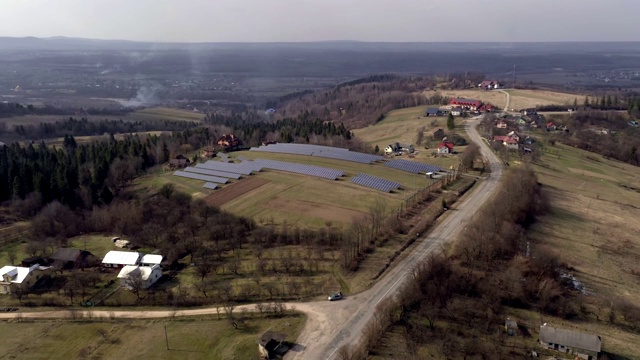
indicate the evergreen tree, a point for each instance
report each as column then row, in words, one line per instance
column 451, row 122
column 609, row 102
column 586, row 101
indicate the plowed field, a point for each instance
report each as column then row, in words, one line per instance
column 230, row 192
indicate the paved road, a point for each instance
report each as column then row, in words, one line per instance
column 332, row 324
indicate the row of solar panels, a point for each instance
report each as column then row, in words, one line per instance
column 320, row 151
column 208, row 178
column 375, row 182
column 241, row 168
column 318, row 171
column 411, row 166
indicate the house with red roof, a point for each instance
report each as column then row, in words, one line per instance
column 470, row 104
column 445, row 147
column 508, row 141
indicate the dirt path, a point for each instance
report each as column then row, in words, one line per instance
column 331, row 324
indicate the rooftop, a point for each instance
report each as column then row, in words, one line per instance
column 143, row 271
column 570, row 338
column 151, row 259
column 121, row 257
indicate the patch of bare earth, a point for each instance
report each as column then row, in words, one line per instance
column 313, row 209
column 230, row 192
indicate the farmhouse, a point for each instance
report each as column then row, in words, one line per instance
column 584, row 346
column 501, row 124
column 457, row 111
column 208, row 152
column 179, row 161
column 433, row 112
column 398, row 147
column 151, row 259
column 269, row 344
column 445, row 147
column 489, row 84
column 141, row 277
column 69, row 258
column 228, row 141
column 119, row 259
column 508, row 141
column 12, row 277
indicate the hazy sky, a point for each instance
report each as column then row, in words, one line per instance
column 316, row 20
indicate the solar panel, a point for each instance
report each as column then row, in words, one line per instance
column 320, row 151
column 212, row 172
column 375, row 182
column 411, row 166
column 213, row 179
column 226, row 167
column 209, row 185
column 310, row 170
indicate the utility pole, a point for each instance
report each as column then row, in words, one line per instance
column 166, row 337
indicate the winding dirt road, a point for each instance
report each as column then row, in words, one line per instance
column 333, row 324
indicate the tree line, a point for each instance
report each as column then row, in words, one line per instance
column 84, row 127
column 83, row 175
column 10, row 109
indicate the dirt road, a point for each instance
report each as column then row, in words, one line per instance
column 332, row 324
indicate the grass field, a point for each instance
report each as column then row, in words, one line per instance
column 520, row 99
column 204, row 338
column 402, row 125
column 593, row 224
column 301, row 200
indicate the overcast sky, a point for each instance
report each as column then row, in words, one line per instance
column 318, row 20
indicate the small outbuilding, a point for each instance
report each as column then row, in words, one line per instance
column 120, row 259
column 69, row 258
column 433, row 112
column 582, row 345
column 269, row 344
column 511, row 327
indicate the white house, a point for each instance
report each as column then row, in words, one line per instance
column 25, row 277
column 147, row 275
column 119, row 259
column 151, row 259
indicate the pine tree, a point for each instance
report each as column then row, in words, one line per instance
column 450, row 122
column 586, row 101
column 609, row 102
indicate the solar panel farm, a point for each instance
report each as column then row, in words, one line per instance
column 301, row 185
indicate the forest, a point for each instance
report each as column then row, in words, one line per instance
column 81, row 175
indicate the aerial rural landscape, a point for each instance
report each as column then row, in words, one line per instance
column 263, row 194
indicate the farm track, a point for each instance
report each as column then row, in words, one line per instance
column 333, row 324
column 232, row 191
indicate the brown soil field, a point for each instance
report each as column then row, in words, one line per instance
column 313, row 209
column 230, row 192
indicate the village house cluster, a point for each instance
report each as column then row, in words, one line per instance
column 460, row 107
column 135, row 270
